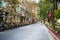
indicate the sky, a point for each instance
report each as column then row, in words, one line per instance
column 36, row 1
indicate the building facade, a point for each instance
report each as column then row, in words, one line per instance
column 19, row 10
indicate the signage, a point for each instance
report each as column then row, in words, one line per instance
column 50, row 16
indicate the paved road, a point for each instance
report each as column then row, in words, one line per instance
column 36, row 31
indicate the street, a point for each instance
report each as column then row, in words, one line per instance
column 36, row 31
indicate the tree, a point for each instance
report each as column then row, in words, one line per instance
column 45, row 6
column 57, row 13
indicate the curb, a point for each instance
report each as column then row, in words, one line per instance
column 54, row 31
column 50, row 31
column 55, row 37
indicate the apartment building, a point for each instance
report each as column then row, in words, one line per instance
column 30, row 8
column 18, row 8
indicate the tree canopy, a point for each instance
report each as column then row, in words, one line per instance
column 45, row 6
column 57, row 13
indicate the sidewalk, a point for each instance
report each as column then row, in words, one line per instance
column 52, row 33
column 2, row 33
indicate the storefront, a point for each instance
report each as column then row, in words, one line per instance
column 3, row 15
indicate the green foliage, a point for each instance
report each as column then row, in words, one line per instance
column 58, row 29
column 47, row 23
column 49, row 1
column 50, row 25
column 57, row 13
column 45, row 6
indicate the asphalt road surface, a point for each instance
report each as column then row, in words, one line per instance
column 36, row 31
